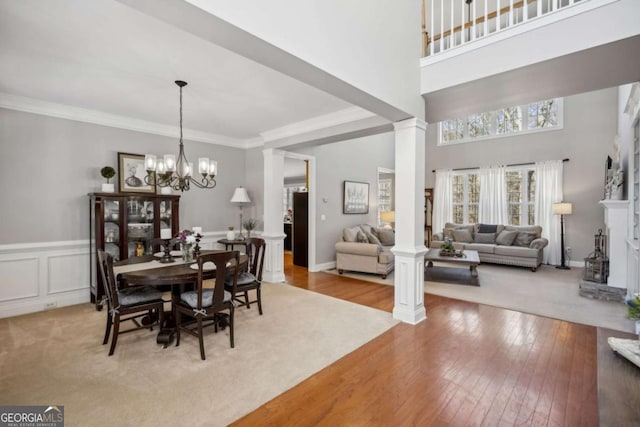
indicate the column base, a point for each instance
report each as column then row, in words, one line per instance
column 274, row 258
column 409, row 285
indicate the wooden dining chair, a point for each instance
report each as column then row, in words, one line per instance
column 251, row 279
column 206, row 304
column 127, row 304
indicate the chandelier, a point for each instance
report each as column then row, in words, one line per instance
column 177, row 174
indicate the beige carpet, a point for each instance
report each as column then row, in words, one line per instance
column 57, row 357
column 548, row 292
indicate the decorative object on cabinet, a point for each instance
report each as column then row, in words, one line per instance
column 240, row 197
column 124, row 224
column 132, row 175
column 562, row 209
column 355, row 198
column 107, row 173
column 178, row 174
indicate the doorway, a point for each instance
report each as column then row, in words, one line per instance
column 296, row 210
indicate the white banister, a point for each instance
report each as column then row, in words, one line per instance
column 466, row 22
column 442, row 26
column 432, row 42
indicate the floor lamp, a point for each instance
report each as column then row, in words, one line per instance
column 562, row 209
column 240, row 196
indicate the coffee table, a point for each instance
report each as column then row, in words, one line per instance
column 470, row 259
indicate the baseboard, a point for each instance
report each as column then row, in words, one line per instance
column 47, row 303
column 324, row 266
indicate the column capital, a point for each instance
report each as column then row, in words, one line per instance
column 410, row 123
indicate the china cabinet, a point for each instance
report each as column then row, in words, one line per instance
column 124, row 225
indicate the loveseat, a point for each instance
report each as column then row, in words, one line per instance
column 366, row 249
column 499, row 244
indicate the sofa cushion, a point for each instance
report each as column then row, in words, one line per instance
column 350, row 234
column 525, row 228
column 485, row 248
column 484, row 237
column 507, row 237
column 516, row 251
column 462, row 236
column 487, row 228
column 387, row 237
column 361, row 237
column 354, row 248
column 524, row 238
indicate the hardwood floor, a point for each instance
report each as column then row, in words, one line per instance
column 467, row 364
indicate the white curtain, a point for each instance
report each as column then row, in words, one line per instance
column 493, row 196
column 548, row 192
column 442, row 200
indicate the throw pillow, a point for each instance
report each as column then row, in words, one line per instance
column 447, row 233
column 350, row 234
column 387, row 237
column 506, row 238
column 372, row 239
column 524, row 238
column 361, row 237
column 485, row 238
column 462, row 236
column 487, row 228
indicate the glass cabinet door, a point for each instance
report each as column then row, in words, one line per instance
column 140, row 215
column 112, row 237
column 166, row 216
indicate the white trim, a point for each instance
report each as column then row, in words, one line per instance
column 347, row 115
column 20, row 247
column 36, row 106
column 515, row 30
column 331, row 265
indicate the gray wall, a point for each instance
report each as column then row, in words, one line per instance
column 590, row 123
column 48, row 165
column 352, row 160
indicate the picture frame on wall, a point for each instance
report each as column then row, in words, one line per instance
column 355, row 197
column 131, row 174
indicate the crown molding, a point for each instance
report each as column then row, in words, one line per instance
column 36, row 106
column 347, row 115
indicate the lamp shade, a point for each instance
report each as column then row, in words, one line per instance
column 240, row 195
column 388, row 216
column 562, row 208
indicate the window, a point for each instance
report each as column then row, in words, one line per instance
column 534, row 117
column 466, row 198
column 521, row 187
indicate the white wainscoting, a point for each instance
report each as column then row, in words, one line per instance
column 40, row 276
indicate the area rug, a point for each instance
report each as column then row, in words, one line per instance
column 57, row 358
column 548, row 292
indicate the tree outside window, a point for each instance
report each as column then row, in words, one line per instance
column 521, row 196
column 466, row 198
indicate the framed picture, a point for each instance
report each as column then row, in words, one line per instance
column 131, row 173
column 356, row 198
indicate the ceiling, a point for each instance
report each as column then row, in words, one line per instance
column 102, row 55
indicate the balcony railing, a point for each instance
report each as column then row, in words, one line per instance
column 450, row 23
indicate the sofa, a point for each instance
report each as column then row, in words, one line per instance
column 499, row 244
column 365, row 249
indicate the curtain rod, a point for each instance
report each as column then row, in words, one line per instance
column 515, row 164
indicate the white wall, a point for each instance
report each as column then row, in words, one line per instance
column 590, row 124
column 374, row 46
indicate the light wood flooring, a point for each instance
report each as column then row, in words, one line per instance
column 467, row 364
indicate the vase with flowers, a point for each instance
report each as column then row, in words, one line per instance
column 250, row 225
column 187, row 239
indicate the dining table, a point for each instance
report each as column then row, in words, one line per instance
column 179, row 276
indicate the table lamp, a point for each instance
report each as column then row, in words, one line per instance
column 240, row 196
column 562, row 209
column 388, row 216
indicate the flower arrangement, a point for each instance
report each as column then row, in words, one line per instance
column 186, row 237
column 633, row 311
column 250, row 224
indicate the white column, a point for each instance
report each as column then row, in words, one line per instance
column 615, row 218
column 273, row 225
column 409, row 249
